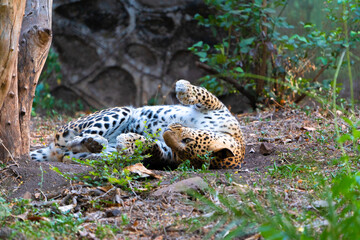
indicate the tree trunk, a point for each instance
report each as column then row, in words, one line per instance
column 11, row 16
column 35, row 39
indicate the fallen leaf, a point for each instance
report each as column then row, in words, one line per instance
column 22, row 216
column 254, row 237
column 142, row 171
column 105, row 188
column 38, row 218
column 136, row 223
column 27, row 195
column 67, row 208
column 310, row 129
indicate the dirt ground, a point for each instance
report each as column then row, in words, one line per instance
column 157, row 216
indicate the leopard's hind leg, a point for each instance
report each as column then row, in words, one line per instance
column 201, row 98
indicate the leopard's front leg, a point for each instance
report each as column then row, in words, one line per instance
column 87, row 143
column 127, row 143
column 189, row 94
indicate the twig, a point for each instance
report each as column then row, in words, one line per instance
column 132, row 189
column 42, row 194
column 47, row 203
column 323, row 68
column 1, row 142
column 232, row 81
column 165, row 233
column 101, row 196
column 274, row 139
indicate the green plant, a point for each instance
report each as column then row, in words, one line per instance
column 253, row 49
column 335, row 218
column 44, row 100
column 186, row 166
column 268, row 212
column 110, row 167
column 23, row 219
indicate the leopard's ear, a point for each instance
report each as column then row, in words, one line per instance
column 221, row 150
column 223, row 153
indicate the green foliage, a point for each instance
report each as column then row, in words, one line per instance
column 109, row 167
column 255, row 40
column 336, row 218
column 44, row 100
column 37, row 223
column 267, row 212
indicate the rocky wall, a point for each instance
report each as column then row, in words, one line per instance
column 125, row 52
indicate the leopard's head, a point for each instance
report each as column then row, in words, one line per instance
column 191, row 144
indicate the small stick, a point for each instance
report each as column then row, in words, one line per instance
column 1, row 142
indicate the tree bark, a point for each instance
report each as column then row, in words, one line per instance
column 16, row 101
column 11, row 16
column 35, row 41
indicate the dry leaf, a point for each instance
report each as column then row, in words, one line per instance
column 310, row 129
column 142, row 171
column 105, row 188
column 136, row 223
column 27, row 195
column 254, row 237
column 22, row 216
column 67, row 208
column 38, row 218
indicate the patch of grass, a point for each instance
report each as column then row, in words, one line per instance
column 109, row 168
column 23, row 219
column 185, row 168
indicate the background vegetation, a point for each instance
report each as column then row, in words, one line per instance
column 261, row 56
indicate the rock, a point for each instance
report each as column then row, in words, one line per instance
column 5, row 233
column 321, row 204
column 195, row 183
column 8, row 233
column 266, row 148
column 93, row 216
column 27, row 195
column 113, row 212
column 142, row 171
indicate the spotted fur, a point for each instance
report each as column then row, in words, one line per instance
column 200, row 125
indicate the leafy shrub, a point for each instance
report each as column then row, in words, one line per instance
column 266, row 212
column 109, row 167
column 257, row 58
column 44, row 100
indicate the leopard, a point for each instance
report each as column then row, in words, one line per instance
column 200, row 129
